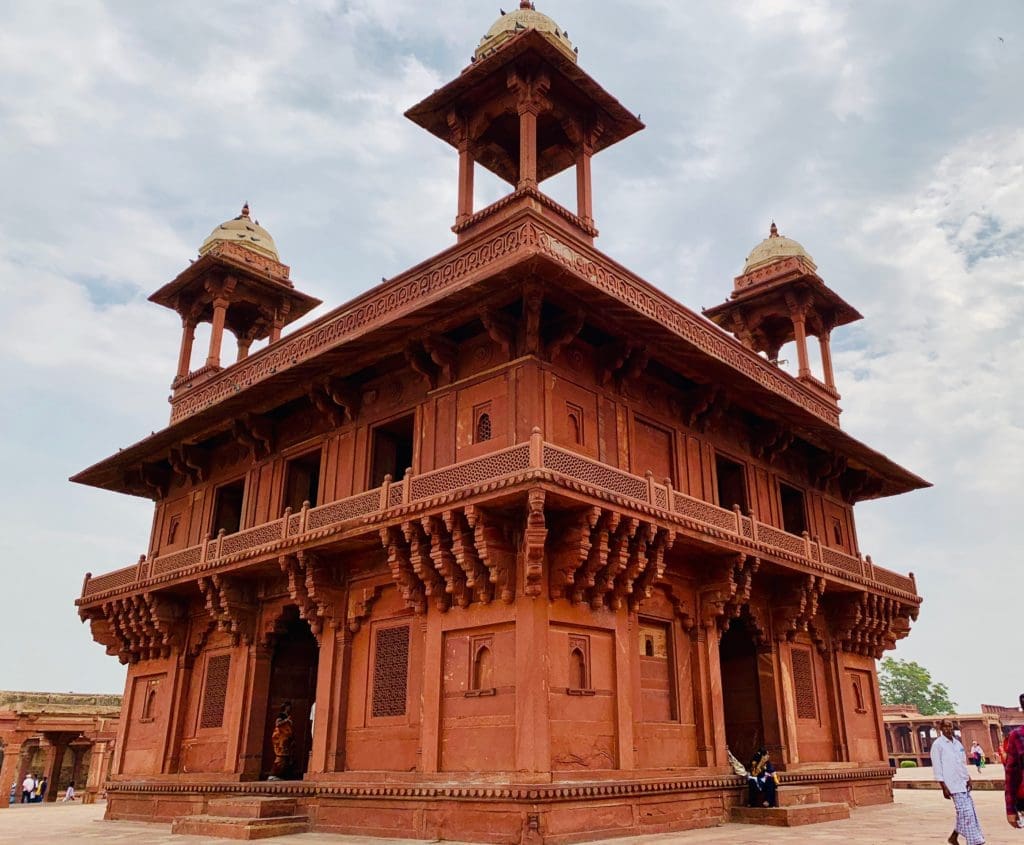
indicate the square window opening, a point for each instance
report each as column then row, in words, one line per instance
column 301, row 481
column 227, row 508
column 392, row 450
column 794, row 511
column 732, row 484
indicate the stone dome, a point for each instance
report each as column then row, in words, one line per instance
column 510, row 24
column 773, row 248
column 243, row 231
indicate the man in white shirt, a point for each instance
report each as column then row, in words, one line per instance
column 27, row 788
column 950, row 768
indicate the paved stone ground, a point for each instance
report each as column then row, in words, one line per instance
column 918, row 816
column 990, row 777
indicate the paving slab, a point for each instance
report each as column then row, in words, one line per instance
column 917, row 816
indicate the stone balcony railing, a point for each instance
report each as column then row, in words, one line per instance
column 521, row 465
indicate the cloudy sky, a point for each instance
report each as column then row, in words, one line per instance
column 887, row 138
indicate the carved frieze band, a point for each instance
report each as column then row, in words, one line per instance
column 381, row 306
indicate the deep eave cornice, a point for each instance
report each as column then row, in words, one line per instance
column 523, row 237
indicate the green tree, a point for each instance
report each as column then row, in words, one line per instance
column 907, row 682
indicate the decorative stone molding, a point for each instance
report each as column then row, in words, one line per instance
column 311, row 587
column 231, row 606
column 869, row 624
column 137, row 627
column 360, row 605
column 794, row 605
column 531, row 793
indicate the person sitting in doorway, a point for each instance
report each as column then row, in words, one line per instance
column 69, row 793
column 762, row 782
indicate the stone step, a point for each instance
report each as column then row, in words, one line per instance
column 228, row 827
column 251, row 807
column 794, row 816
column 792, row 796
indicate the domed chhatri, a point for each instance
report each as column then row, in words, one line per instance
column 510, row 24
column 244, row 231
column 773, row 248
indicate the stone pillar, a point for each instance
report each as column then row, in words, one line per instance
column 52, row 761
column 625, row 658
column 220, row 311
column 775, row 740
column 466, row 172
column 254, row 721
column 99, row 763
column 826, row 358
column 800, row 332
column 76, row 764
column 331, row 698
column 709, row 709
column 244, row 342
column 533, row 727
column 527, row 146
column 177, row 692
column 834, row 665
column 235, row 705
column 188, row 335
column 275, row 329
column 584, row 189
column 430, row 719
column 10, row 770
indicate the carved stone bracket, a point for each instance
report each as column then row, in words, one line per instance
column 857, row 484
column 190, row 462
column 869, row 624
column 562, row 332
column 138, row 627
column 534, row 537
column 501, row 327
column 311, row 586
column 231, row 607
column 723, row 600
column 255, row 433
column 336, row 400
column 360, row 605
column 825, row 468
column 605, row 559
column 795, row 605
column 768, row 440
column 705, row 406
column 620, row 363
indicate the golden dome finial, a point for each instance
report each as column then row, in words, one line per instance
column 773, row 232
column 525, row 4
column 245, row 209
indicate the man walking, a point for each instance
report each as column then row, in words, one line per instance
column 27, row 788
column 1014, row 764
column 950, row 768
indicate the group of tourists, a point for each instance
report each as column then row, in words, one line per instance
column 950, row 770
column 33, row 790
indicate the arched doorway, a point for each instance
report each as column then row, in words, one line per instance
column 741, row 695
column 292, row 687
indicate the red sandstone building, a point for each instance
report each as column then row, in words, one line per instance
column 538, row 542
column 64, row 737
